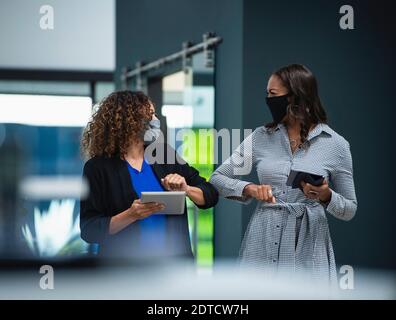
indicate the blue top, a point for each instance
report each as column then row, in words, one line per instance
column 153, row 228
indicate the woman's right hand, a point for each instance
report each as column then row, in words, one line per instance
column 262, row 192
column 136, row 211
column 139, row 210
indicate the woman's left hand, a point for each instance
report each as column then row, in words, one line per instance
column 321, row 193
column 174, row 182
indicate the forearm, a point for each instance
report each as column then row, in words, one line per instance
column 121, row 221
column 196, row 195
column 229, row 187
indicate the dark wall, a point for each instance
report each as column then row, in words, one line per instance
column 355, row 71
column 149, row 29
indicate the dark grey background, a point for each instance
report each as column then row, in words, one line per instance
column 355, row 70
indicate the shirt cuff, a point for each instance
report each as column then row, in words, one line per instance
column 237, row 193
column 333, row 206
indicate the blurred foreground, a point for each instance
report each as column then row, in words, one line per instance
column 152, row 279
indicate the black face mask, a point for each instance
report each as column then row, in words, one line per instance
column 278, row 107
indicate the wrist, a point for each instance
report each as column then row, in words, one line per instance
column 327, row 197
column 131, row 215
column 247, row 190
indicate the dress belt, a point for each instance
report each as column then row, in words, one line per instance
column 300, row 257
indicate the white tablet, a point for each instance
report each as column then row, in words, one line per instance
column 174, row 201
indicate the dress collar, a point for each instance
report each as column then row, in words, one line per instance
column 317, row 130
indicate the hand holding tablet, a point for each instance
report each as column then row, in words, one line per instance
column 174, row 201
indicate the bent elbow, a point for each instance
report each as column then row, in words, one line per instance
column 210, row 195
column 213, row 180
column 350, row 212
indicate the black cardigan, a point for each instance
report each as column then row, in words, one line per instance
column 111, row 192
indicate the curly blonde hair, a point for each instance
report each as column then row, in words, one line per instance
column 120, row 118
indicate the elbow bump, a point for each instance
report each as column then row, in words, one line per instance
column 209, row 202
column 210, row 194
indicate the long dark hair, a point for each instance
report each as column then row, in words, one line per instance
column 305, row 104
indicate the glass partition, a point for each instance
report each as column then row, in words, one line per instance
column 188, row 110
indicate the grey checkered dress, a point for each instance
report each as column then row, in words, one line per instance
column 292, row 234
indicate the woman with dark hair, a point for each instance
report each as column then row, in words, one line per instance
column 288, row 230
column 118, row 171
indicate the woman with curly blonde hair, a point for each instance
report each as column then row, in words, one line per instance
column 118, row 172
